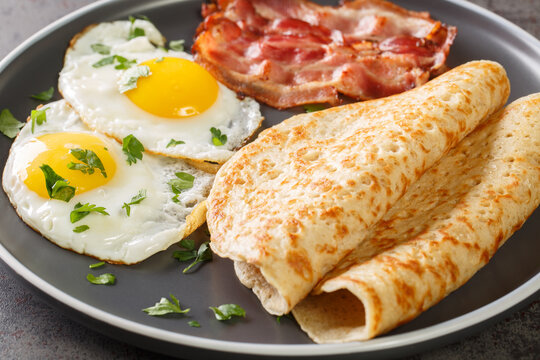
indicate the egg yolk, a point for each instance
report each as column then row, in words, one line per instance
column 177, row 88
column 53, row 150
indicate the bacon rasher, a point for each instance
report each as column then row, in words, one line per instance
column 292, row 52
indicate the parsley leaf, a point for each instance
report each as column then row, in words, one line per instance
column 227, row 311
column 105, row 61
column 204, row 253
column 123, row 63
column 176, row 45
column 218, row 139
column 44, row 95
column 134, row 201
column 57, row 186
column 182, row 182
column 165, row 306
column 175, row 142
column 136, row 32
column 80, row 229
column 96, row 265
column 101, row 49
column 314, row 107
column 133, row 149
column 194, row 323
column 187, row 244
column 103, row 279
column 38, row 117
column 80, row 211
column 90, row 161
column 128, row 80
column 9, row 126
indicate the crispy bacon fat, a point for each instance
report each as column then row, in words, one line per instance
column 292, row 52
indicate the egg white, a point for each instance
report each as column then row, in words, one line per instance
column 94, row 94
column 153, row 225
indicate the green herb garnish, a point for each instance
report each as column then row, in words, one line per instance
column 182, row 182
column 158, row 60
column 96, row 265
column 175, row 142
column 314, row 107
column 101, row 49
column 82, row 210
column 133, row 149
column 136, row 31
column 165, row 306
column 204, row 253
column 194, row 323
column 57, row 186
column 218, row 139
column 80, row 229
column 227, row 311
column 176, row 45
column 129, row 78
column 38, row 117
column 9, row 125
column 44, row 95
column 123, row 63
column 134, row 201
column 105, row 61
column 103, row 279
column 90, row 162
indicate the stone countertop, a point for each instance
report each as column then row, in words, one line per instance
column 30, row 329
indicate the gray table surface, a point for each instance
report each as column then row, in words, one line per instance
column 30, row 329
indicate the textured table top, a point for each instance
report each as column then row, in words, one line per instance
column 30, row 329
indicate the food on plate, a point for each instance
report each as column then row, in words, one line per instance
column 77, row 189
column 292, row 204
column 293, row 52
column 446, row 227
column 121, row 81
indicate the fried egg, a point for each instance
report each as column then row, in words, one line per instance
column 163, row 217
column 121, row 84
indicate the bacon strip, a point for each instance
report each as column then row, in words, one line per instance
column 292, row 52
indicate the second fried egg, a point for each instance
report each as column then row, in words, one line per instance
column 121, row 80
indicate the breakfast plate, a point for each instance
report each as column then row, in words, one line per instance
column 116, row 310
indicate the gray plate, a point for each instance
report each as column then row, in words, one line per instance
column 507, row 281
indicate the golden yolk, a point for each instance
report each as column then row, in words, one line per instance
column 54, row 151
column 177, row 88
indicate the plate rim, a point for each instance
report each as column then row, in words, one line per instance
column 453, row 326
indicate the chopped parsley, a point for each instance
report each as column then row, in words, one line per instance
column 182, row 182
column 123, row 63
column 44, row 95
column 133, row 149
column 165, row 306
column 158, row 60
column 176, row 45
column 82, row 210
column 175, row 142
column 9, row 125
column 134, row 201
column 128, row 80
column 136, row 31
column 80, row 229
column 57, row 186
column 101, row 49
column 218, row 139
column 90, row 161
column 38, row 117
column 103, row 279
column 204, row 253
column 194, row 323
column 227, row 311
column 96, row 265
column 314, row 107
